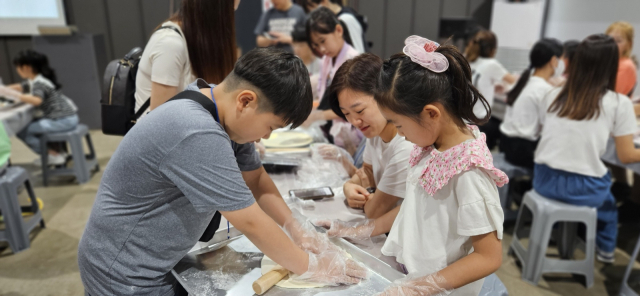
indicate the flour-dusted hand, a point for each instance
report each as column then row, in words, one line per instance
column 332, row 268
column 305, row 236
column 429, row 285
column 358, row 231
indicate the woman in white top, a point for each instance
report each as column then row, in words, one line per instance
column 577, row 123
column 521, row 127
column 380, row 184
column 178, row 52
column 487, row 74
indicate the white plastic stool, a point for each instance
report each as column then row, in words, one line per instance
column 512, row 171
column 546, row 212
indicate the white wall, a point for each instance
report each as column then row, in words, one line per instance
column 577, row 19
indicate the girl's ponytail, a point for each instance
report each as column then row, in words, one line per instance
column 464, row 96
column 47, row 72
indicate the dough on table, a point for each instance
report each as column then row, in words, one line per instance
column 267, row 265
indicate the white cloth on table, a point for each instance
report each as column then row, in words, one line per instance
column 390, row 162
column 521, row 120
column 432, row 232
column 577, row 145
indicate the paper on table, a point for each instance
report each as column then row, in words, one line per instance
column 244, row 245
column 244, row 287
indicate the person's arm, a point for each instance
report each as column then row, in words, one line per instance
column 160, row 93
column 30, row 99
column 636, row 109
column 510, row 78
column 281, row 37
column 267, row 195
column 626, row 150
column 15, row 86
column 379, row 203
column 485, row 259
column 262, row 41
column 360, row 230
column 263, row 232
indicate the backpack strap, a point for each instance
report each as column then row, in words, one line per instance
column 208, row 104
column 172, row 28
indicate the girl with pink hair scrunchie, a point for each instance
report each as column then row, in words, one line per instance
column 447, row 233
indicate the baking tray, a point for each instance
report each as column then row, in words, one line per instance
column 218, row 269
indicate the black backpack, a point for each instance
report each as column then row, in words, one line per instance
column 118, row 93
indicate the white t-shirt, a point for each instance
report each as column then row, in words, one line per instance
column 432, row 232
column 488, row 73
column 576, row 145
column 390, row 162
column 165, row 60
column 355, row 30
column 522, row 119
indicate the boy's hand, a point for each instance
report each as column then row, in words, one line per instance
column 429, row 285
column 332, row 268
column 305, row 236
column 356, row 195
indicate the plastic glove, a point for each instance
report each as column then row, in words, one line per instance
column 305, row 236
column 429, row 285
column 356, row 195
column 359, row 231
column 328, row 151
column 332, row 268
column 261, row 149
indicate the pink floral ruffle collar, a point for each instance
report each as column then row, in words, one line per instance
column 442, row 166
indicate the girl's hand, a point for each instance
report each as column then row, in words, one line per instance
column 356, row 195
column 364, row 179
column 332, row 268
column 430, row 285
column 360, row 231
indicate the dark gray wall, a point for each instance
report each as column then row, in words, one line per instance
column 391, row 21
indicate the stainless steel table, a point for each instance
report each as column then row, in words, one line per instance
column 216, row 268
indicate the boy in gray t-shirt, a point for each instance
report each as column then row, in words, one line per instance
column 179, row 165
column 276, row 24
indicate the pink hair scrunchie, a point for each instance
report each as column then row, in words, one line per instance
column 422, row 51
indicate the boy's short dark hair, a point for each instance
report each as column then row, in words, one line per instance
column 280, row 79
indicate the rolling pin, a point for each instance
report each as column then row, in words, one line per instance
column 269, row 279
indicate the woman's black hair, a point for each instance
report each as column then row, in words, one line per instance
column 38, row 62
column 570, row 47
column 405, row 87
column 541, row 53
column 358, row 74
column 323, row 21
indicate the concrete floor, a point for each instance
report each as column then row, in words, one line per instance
column 49, row 267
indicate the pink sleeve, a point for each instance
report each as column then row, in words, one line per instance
column 626, row 79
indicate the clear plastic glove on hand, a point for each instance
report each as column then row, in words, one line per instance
column 429, row 285
column 332, row 268
column 359, row 231
column 305, row 236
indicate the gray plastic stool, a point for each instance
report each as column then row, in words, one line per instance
column 16, row 230
column 625, row 289
column 82, row 164
column 546, row 213
column 512, row 171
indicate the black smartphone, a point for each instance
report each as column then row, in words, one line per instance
column 312, row 193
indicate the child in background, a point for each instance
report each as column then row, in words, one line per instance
column 569, row 49
column 41, row 89
column 276, row 25
column 577, row 123
column 488, row 74
column 521, row 126
column 447, row 232
column 303, row 51
column 327, row 36
column 355, row 23
column 622, row 33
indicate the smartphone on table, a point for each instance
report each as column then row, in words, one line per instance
column 312, row 193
